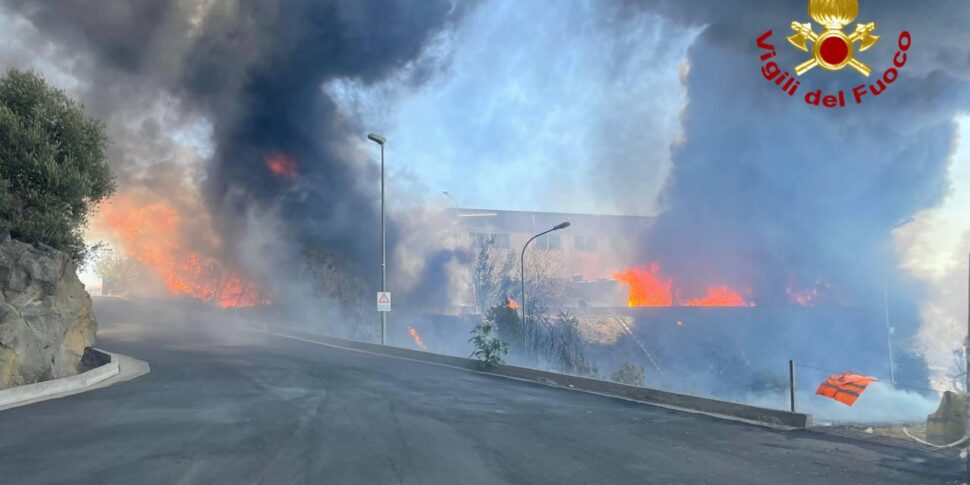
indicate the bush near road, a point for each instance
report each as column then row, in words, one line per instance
column 53, row 168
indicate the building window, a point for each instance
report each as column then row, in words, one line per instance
column 549, row 241
column 478, row 238
column 497, row 241
column 584, row 243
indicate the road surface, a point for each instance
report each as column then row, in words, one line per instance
column 227, row 406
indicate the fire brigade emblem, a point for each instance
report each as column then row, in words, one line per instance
column 832, row 49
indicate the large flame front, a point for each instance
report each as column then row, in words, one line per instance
column 647, row 286
column 650, row 288
column 150, row 233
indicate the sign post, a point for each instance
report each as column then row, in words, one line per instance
column 383, row 301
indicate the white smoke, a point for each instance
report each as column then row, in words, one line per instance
column 934, row 248
column 577, row 116
column 880, row 403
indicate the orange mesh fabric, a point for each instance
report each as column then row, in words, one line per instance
column 845, row 388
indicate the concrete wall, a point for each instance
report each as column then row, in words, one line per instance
column 773, row 417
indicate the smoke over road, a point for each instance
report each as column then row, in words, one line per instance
column 787, row 203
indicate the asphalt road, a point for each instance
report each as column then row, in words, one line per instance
column 227, row 406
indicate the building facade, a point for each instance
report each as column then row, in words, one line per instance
column 594, row 246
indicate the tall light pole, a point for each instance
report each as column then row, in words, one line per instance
column 559, row 226
column 380, row 140
column 457, row 219
column 966, row 371
column 885, row 302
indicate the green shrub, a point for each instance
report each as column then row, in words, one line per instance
column 565, row 347
column 115, row 270
column 507, row 324
column 489, row 350
column 53, row 169
column 628, row 374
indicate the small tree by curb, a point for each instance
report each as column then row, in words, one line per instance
column 489, row 350
column 628, row 374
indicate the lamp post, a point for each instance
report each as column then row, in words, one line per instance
column 966, row 371
column 457, row 219
column 380, row 140
column 559, row 226
column 885, row 302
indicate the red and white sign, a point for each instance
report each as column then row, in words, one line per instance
column 383, row 301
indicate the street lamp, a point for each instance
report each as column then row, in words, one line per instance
column 457, row 219
column 380, row 140
column 559, row 226
column 885, row 302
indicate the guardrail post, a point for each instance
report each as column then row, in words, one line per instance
column 791, row 383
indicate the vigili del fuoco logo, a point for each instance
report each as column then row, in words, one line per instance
column 832, row 49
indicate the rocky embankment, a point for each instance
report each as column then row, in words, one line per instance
column 46, row 321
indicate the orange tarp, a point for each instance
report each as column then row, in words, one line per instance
column 845, row 388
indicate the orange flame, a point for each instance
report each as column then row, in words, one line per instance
column 281, row 166
column 413, row 332
column 650, row 288
column 151, row 234
column 647, row 286
column 719, row 296
column 511, row 303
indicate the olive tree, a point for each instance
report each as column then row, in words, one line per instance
column 53, row 168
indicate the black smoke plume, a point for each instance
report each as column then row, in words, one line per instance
column 256, row 70
column 770, row 193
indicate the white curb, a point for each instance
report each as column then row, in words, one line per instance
column 65, row 386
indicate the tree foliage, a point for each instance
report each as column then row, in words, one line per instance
column 542, row 338
column 53, row 168
column 505, row 319
column 629, row 374
column 489, row 350
column 567, row 347
column 115, row 270
column 335, row 279
column 494, row 275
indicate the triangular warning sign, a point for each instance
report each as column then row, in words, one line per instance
column 383, row 298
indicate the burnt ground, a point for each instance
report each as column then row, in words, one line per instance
column 223, row 405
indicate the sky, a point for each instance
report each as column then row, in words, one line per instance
column 646, row 108
column 543, row 115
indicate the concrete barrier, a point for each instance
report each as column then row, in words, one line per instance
column 41, row 390
column 713, row 407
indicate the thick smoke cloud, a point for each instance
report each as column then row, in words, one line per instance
column 770, row 193
column 254, row 70
column 764, row 193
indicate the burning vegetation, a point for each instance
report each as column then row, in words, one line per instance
column 511, row 303
column 413, row 332
column 650, row 288
column 151, row 234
